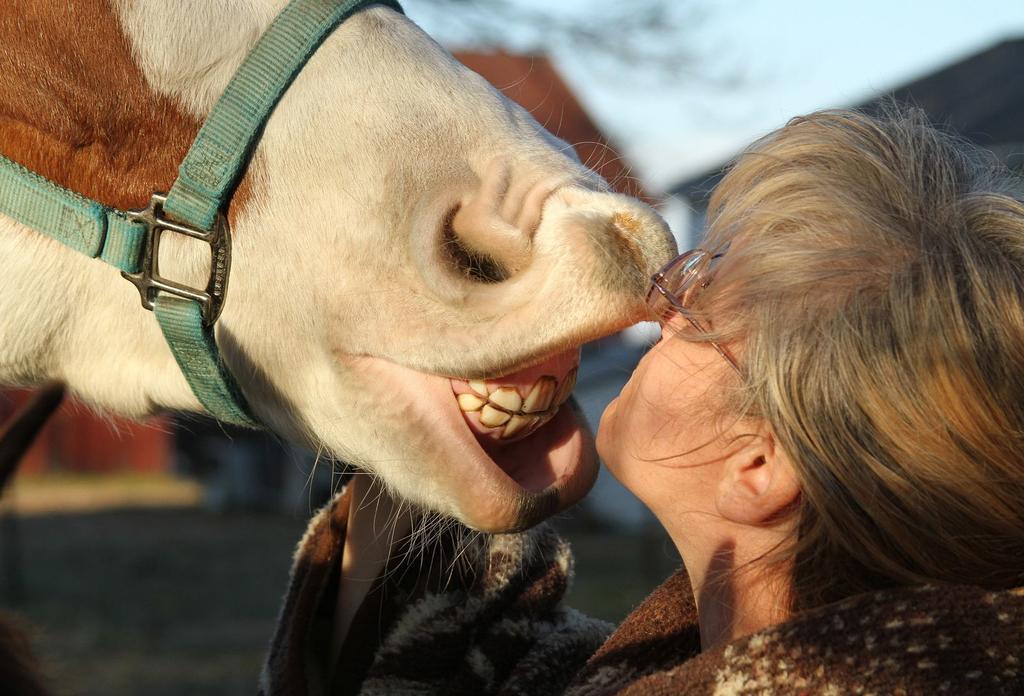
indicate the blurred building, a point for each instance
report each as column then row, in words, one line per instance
column 980, row 97
column 78, row 440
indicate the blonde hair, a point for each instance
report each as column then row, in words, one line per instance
column 874, row 282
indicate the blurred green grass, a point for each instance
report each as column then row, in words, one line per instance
column 179, row 600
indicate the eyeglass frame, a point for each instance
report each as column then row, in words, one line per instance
column 657, row 284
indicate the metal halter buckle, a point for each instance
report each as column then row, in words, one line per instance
column 149, row 281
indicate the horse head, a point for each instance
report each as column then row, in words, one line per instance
column 415, row 259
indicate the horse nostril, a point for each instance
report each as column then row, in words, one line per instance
column 472, row 264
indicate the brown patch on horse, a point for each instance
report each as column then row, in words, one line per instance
column 75, row 107
column 625, row 272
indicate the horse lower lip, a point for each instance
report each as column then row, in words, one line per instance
column 491, row 484
column 552, row 469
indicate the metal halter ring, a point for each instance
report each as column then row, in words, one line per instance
column 149, row 281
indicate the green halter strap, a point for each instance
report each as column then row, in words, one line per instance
column 195, row 205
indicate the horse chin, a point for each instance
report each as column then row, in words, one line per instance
column 491, row 480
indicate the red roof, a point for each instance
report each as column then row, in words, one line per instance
column 535, row 84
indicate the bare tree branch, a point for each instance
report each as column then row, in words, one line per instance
column 656, row 36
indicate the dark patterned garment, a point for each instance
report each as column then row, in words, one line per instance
column 493, row 623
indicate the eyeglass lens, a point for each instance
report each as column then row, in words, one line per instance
column 676, row 284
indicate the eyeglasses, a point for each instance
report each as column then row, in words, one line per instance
column 677, row 285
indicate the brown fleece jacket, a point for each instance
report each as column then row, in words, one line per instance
column 493, row 623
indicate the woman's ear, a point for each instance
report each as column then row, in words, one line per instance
column 758, row 481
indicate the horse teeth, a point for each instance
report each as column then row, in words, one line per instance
column 507, row 398
column 492, row 417
column 504, row 406
column 565, row 391
column 540, row 397
column 519, row 424
column 470, row 402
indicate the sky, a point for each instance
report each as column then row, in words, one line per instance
column 791, row 56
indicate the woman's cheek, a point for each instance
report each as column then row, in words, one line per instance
column 605, row 427
column 613, row 431
column 627, row 424
column 617, row 436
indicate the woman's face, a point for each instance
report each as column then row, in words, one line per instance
column 661, row 437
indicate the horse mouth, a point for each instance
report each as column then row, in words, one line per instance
column 531, row 439
column 513, row 409
column 499, row 454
